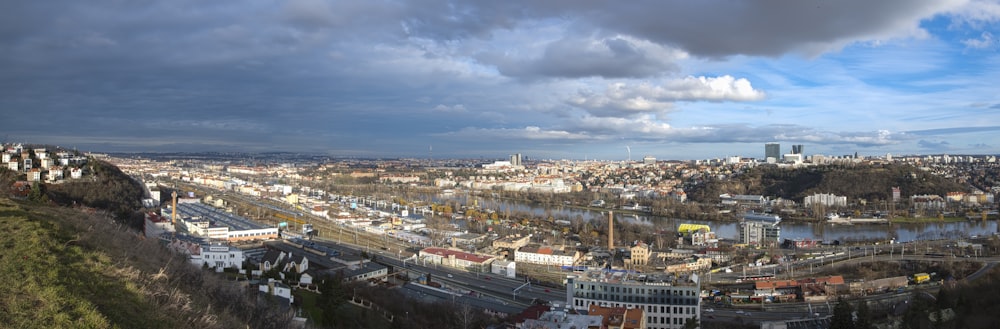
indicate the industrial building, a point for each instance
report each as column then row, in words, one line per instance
column 196, row 218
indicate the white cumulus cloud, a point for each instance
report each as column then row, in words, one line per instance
column 985, row 40
column 622, row 98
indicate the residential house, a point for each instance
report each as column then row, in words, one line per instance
column 619, row 317
column 220, row 257
column 546, row 255
column 297, row 263
column 55, row 174
column 640, row 253
column 35, row 175
column 278, row 289
column 271, row 259
column 560, row 320
column 20, row 189
column 512, row 242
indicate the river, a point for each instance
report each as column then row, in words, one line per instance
column 901, row 232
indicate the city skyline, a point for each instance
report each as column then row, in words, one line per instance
column 574, row 80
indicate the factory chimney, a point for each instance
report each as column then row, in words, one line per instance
column 173, row 209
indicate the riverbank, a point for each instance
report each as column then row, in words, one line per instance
column 920, row 220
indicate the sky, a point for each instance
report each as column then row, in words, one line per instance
column 580, row 79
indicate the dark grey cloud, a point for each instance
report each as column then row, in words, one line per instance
column 722, row 28
column 934, row 145
column 709, row 28
column 581, row 57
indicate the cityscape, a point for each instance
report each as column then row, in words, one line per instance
column 510, row 165
column 593, row 243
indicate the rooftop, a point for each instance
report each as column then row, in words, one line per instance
column 458, row 254
column 635, row 278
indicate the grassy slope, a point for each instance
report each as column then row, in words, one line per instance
column 62, row 268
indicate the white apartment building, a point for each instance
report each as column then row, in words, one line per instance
column 546, row 256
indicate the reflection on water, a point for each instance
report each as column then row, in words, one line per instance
column 791, row 230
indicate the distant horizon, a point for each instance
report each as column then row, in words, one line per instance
column 504, row 157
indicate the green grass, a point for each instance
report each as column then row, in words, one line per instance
column 54, row 279
column 348, row 315
column 308, row 302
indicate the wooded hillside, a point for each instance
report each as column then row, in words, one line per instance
column 858, row 182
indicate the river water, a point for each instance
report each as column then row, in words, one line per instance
column 901, row 232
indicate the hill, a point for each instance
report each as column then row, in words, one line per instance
column 866, row 182
column 73, row 268
column 105, row 187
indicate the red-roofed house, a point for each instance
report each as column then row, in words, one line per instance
column 20, row 189
column 619, row 317
column 457, row 258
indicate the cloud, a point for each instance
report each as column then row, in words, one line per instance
column 526, row 133
column 385, row 75
column 984, row 41
column 953, row 130
column 975, row 13
column 942, row 145
column 579, row 57
column 647, row 129
column 712, row 28
column 626, row 99
column 457, row 108
column 770, row 28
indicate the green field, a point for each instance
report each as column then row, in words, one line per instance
column 69, row 268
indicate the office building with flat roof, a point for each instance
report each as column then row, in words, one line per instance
column 760, row 229
column 667, row 300
column 772, row 151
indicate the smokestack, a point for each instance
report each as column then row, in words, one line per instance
column 611, row 231
column 173, row 208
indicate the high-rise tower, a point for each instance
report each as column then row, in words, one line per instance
column 772, row 150
column 515, row 159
